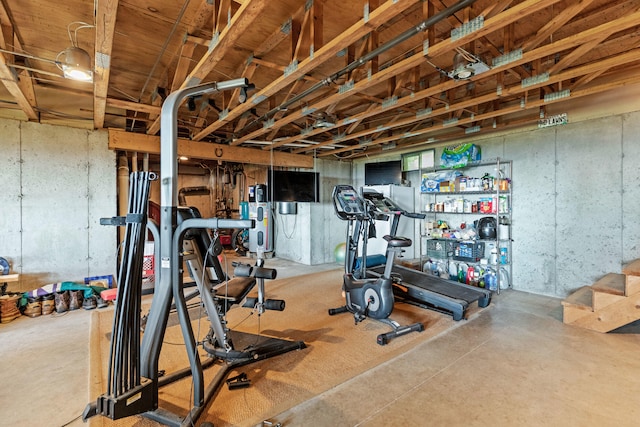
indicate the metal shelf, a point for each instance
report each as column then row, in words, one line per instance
column 505, row 167
column 458, row 193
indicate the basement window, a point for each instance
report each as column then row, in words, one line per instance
column 420, row 160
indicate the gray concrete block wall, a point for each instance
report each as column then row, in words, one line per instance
column 61, row 181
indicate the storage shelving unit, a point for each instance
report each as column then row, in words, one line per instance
column 466, row 199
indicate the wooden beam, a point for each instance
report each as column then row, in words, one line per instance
column 222, row 15
column 143, row 143
column 557, row 22
column 511, row 91
column 26, row 86
column 495, row 8
column 499, row 21
column 22, row 89
column 307, row 34
column 576, row 54
column 561, row 45
column 134, row 106
column 352, row 34
column 278, row 36
column 297, row 37
column 106, row 14
column 201, row 17
column 534, row 104
column 184, row 60
column 317, row 25
column 11, row 83
column 279, row 114
column 242, row 19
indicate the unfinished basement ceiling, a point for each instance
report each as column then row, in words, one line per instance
column 333, row 79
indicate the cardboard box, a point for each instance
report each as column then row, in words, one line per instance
column 447, row 186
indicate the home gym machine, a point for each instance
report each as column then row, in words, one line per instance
column 416, row 287
column 367, row 297
column 134, row 377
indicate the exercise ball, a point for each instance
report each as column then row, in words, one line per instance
column 340, row 252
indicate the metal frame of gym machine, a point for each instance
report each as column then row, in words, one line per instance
column 143, row 399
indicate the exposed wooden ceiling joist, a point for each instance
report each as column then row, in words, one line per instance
column 296, row 53
column 106, row 15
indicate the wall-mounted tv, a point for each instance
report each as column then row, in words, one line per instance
column 383, row 173
column 294, row 186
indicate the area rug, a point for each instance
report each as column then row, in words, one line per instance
column 337, row 350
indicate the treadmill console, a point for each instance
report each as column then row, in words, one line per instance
column 382, row 204
column 347, row 202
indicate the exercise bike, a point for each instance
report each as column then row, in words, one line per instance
column 367, row 297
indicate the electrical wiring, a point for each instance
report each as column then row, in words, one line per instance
column 293, row 231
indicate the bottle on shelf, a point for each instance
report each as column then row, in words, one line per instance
column 481, row 200
column 504, row 228
column 493, row 255
column 490, row 279
column 504, row 257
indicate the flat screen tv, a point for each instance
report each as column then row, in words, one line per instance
column 383, row 173
column 294, row 186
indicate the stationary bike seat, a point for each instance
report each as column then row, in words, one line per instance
column 397, row 241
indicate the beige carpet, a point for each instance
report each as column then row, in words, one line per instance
column 337, row 350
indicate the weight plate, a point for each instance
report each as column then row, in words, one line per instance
column 4, row 267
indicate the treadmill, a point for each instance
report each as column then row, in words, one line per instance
column 419, row 288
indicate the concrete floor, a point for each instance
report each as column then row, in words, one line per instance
column 515, row 364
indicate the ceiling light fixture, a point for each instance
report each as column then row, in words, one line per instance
column 74, row 61
column 466, row 65
column 324, row 120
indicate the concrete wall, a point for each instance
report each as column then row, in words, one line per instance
column 575, row 201
column 311, row 236
column 57, row 183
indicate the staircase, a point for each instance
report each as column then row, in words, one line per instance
column 611, row 302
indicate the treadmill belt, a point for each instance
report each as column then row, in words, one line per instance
column 434, row 284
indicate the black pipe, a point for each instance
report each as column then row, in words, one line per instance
column 191, row 191
column 368, row 57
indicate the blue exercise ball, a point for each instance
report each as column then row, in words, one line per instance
column 340, row 252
